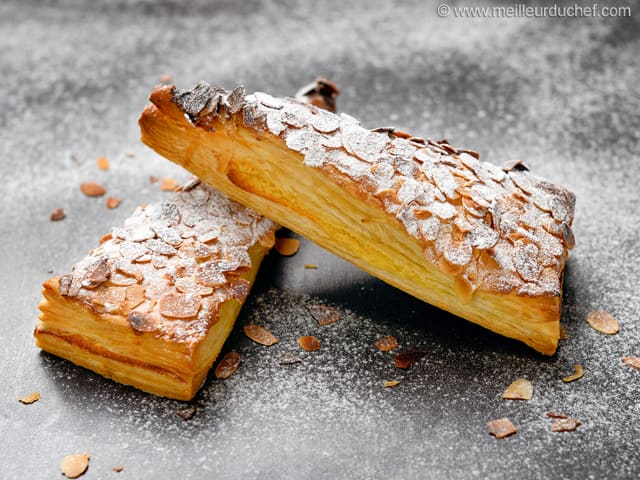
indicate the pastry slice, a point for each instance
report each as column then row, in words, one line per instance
column 488, row 244
column 152, row 306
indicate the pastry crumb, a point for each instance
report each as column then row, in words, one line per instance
column 311, row 266
column 118, row 469
column 309, row 343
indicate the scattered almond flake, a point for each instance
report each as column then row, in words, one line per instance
column 165, row 78
column 324, row 314
column 603, row 322
column 153, row 179
column 565, row 424
column 386, row 344
column 501, row 428
column 260, row 335
column 632, row 362
column 228, row 365
column 92, row 189
column 29, row 399
column 187, row 413
column 289, row 358
column 103, row 163
column 168, row 184
column 407, row 358
column 129, row 153
column 309, row 343
column 310, row 266
column 177, row 305
column 576, row 376
column 73, row 466
column 113, row 202
column 556, row 415
column 520, row 389
column 564, row 335
column 287, row 246
column 391, row 383
column 118, row 469
column 57, row 214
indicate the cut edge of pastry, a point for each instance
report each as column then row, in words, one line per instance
column 244, row 158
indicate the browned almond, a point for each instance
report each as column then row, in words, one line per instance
column 168, row 184
column 187, row 413
column 260, row 335
column 603, row 322
column 323, row 314
column 501, row 428
column 73, row 466
column 57, row 215
column 632, row 362
column 386, row 344
column 579, row 373
column 103, row 163
column 309, row 343
column 113, row 202
column 391, row 383
column 228, row 365
column 92, row 189
column 118, row 469
column 29, row 399
column 565, row 424
column 520, row 389
column 407, row 358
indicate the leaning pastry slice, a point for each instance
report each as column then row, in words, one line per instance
column 485, row 243
column 152, row 306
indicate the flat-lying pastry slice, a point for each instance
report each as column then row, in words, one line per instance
column 485, row 243
column 152, row 306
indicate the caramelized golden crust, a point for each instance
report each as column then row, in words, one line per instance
column 153, row 304
column 485, row 243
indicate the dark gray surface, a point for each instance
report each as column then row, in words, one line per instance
column 561, row 93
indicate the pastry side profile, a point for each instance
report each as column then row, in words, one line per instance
column 485, row 243
column 152, row 306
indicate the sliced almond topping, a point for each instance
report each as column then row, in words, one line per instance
column 134, row 296
column 92, row 189
column 260, row 335
column 386, row 344
column 29, row 399
column 287, row 246
column 57, row 215
column 73, row 466
column 391, row 383
column 324, row 314
column 309, row 343
column 103, row 163
column 632, row 362
column 228, row 365
column 579, row 373
column 565, row 424
column 168, row 184
column 178, row 305
column 603, row 322
column 501, row 428
column 113, row 202
column 520, row 389
column 310, row 266
column 407, row 358
column 187, row 413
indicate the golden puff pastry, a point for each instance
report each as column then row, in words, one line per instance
column 488, row 244
column 152, row 306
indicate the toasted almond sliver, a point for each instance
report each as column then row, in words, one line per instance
column 113, row 202
column 29, row 399
column 309, row 343
column 579, row 373
column 228, row 365
column 118, row 469
column 57, row 214
column 287, row 246
column 386, row 344
column 187, row 413
column 260, row 335
column 391, row 383
column 324, row 314
column 565, row 424
column 289, row 358
column 603, row 322
column 168, row 184
column 310, row 266
column 73, row 466
column 520, row 389
column 92, row 189
column 632, row 362
column 501, row 428
column 103, row 163
column 407, row 358
column 556, row 415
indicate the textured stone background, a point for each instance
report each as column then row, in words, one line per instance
column 561, row 93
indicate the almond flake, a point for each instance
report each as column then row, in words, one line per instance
column 603, row 322
column 118, row 469
column 260, row 335
column 391, row 383
column 324, row 314
column 57, row 214
column 73, row 466
column 579, row 373
column 287, row 246
column 565, row 424
column 407, row 358
column 228, row 365
column 176, row 305
column 564, row 335
column 310, row 266
column 556, row 415
column 386, row 344
column 113, row 202
column 29, row 399
column 92, row 189
column 289, row 358
column 520, row 389
column 632, row 362
column 309, row 343
column 187, row 413
column 165, row 78
column 168, row 184
column 501, row 428
column 103, row 163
